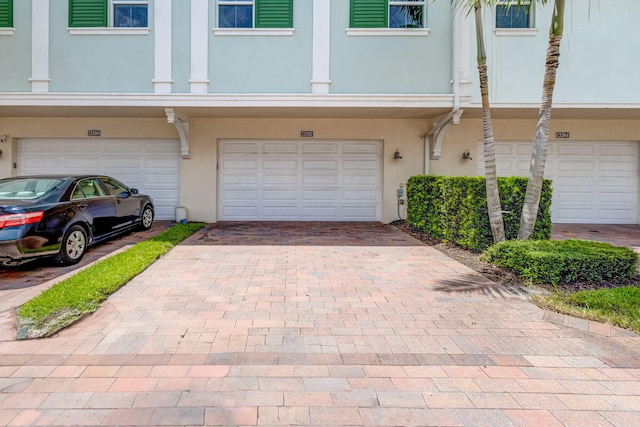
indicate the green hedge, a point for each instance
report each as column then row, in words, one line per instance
column 454, row 209
column 565, row 261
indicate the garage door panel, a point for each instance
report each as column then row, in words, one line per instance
column 576, row 150
column 319, row 148
column 312, row 182
column 593, row 182
column 320, row 165
column 151, row 166
column 270, row 195
column 360, row 195
column 621, row 150
column 366, row 180
column 291, row 165
column 279, row 148
column 319, row 179
column 279, row 179
column 320, row 195
column 359, row 212
column 239, row 148
column 360, row 148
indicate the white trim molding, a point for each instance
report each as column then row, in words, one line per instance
column 320, row 81
column 162, row 46
column 7, row 31
column 40, row 46
column 108, row 31
column 199, row 81
column 368, row 32
column 516, row 32
column 253, row 31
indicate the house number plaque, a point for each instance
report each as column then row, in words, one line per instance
column 93, row 132
column 306, row 134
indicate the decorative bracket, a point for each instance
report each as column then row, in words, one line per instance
column 181, row 122
column 438, row 132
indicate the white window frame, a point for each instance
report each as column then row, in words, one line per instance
column 252, row 31
column 422, row 3
column 531, row 30
column 114, row 3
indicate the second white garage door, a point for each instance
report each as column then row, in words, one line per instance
column 593, row 182
column 274, row 180
column 151, row 166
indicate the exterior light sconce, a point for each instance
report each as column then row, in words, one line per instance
column 396, row 155
column 467, row 155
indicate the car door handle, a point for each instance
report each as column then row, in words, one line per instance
column 83, row 206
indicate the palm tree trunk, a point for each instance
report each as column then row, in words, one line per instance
column 540, row 143
column 491, row 177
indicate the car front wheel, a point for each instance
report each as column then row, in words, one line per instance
column 146, row 219
column 73, row 246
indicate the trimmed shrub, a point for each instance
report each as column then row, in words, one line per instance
column 565, row 261
column 454, row 209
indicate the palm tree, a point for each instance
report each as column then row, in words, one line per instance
column 491, row 177
column 541, row 141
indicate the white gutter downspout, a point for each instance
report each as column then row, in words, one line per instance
column 436, row 135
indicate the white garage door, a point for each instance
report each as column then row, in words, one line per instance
column 151, row 166
column 593, row 182
column 299, row 180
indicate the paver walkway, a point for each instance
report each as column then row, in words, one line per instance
column 320, row 324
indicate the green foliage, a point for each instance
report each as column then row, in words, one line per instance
column 619, row 306
column 83, row 292
column 564, row 261
column 454, row 209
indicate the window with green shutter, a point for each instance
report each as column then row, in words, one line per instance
column 274, row 13
column 255, row 13
column 388, row 14
column 6, row 13
column 108, row 13
column 88, row 13
column 369, row 14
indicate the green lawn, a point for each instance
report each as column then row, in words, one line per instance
column 81, row 294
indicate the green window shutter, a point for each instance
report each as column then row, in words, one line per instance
column 88, row 13
column 274, row 13
column 369, row 14
column 6, row 13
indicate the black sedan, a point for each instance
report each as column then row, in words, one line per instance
column 61, row 216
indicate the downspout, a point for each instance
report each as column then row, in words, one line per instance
column 436, row 134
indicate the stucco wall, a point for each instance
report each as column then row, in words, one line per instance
column 198, row 184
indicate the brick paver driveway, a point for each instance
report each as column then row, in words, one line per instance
column 320, row 324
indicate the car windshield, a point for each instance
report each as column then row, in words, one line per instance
column 27, row 188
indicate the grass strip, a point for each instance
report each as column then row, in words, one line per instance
column 81, row 294
column 618, row 306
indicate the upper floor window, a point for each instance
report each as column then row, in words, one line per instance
column 255, row 13
column 6, row 13
column 388, row 14
column 109, row 13
column 510, row 14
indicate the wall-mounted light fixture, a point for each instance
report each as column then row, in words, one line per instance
column 396, row 155
column 466, row 155
column 3, row 138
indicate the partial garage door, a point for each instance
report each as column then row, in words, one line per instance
column 593, row 182
column 151, row 166
column 299, row 180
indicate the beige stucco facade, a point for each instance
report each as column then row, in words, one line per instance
column 198, row 173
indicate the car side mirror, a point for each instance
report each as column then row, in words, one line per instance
column 134, row 191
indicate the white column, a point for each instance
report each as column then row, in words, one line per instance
column 464, row 50
column 199, row 80
column 39, row 46
column 320, row 81
column 162, row 46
